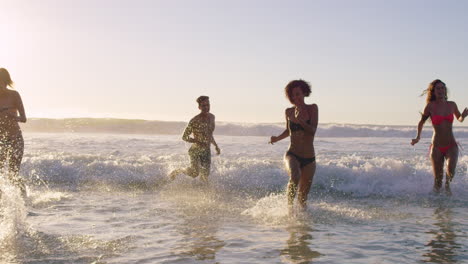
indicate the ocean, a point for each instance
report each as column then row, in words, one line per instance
column 105, row 198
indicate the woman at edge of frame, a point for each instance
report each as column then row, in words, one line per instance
column 443, row 147
column 11, row 138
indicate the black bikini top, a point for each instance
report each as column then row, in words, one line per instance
column 295, row 126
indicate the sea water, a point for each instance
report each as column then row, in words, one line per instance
column 104, row 198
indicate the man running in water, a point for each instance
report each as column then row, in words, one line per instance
column 201, row 128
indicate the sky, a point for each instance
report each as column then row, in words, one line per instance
column 367, row 61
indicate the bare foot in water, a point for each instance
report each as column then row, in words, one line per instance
column 172, row 175
column 448, row 191
column 448, row 178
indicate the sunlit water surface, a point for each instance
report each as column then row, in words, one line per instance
column 105, row 199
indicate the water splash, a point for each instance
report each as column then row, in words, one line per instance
column 13, row 222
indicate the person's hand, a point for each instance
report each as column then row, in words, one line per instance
column 465, row 112
column 218, row 151
column 414, row 141
column 273, row 140
column 295, row 118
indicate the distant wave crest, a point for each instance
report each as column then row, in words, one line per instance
column 133, row 126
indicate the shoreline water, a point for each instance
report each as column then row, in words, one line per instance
column 99, row 198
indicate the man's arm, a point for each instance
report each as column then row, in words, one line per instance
column 218, row 151
column 187, row 132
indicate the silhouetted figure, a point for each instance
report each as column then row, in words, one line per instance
column 11, row 138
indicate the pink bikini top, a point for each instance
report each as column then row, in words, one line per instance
column 438, row 119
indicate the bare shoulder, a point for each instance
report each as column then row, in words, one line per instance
column 453, row 106
column 427, row 111
column 13, row 93
column 313, row 107
column 429, row 106
column 13, row 96
column 452, row 103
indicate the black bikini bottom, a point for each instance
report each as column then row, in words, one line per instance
column 302, row 161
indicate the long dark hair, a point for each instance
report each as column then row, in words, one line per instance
column 430, row 91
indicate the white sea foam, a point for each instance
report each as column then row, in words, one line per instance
column 255, row 171
column 98, row 198
column 12, row 221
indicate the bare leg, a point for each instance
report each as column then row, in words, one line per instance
column 205, row 164
column 305, row 183
column 15, row 157
column 294, row 171
column 204, row 176
column 191, row 171
column 452, row 159
column 3, row 155
column 437, row 159
column 174, row 173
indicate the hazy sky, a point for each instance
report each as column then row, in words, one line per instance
column 367, row 61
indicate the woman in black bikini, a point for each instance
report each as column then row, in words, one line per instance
column 301, row 124
column 443, row 146
column 11, row 138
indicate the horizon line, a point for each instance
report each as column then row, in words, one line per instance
column 218, row 121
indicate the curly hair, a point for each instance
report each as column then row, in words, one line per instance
column 305, row 87
column 430, row 91
column 5, row 77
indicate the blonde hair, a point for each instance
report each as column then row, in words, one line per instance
column 430, row 91
column 5, row 77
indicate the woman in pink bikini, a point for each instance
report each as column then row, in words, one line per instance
column 443, row 145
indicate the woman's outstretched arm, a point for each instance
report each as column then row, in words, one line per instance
column 284, row 134
column 460, row 116
column 425, row 115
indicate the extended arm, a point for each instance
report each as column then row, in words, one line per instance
column 424, row 117
column 284, row 134
column 218, row 151
column 22, row 113
column 187, row 132
column 19, row 108
column 460, row 116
